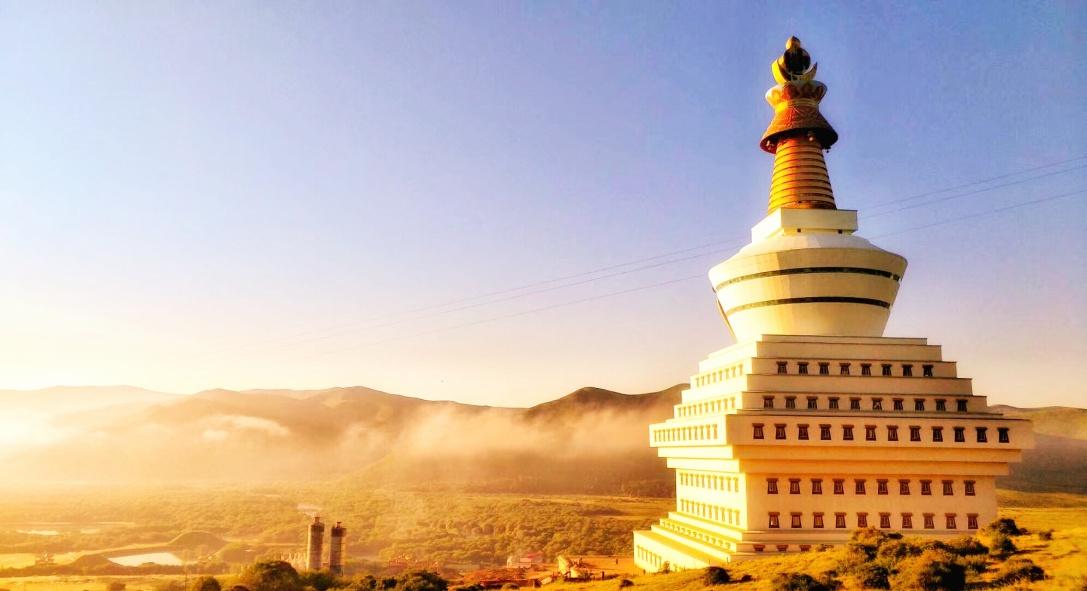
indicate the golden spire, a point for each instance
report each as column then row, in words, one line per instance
column 798, row 134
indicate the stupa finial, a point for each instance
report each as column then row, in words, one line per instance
column 794, row 64
column 798, row 134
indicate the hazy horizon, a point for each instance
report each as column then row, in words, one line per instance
column 280, row 196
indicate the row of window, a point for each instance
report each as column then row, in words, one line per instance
column 803, row 433
column 720, row 375
column 696, row 534
column 708, row 511
column 928, row 520
column 845, row 369
column 860, row 486
column 834, row 403
column 647, row 556
column 688, row 433
column 708, row 406
column 709, row 481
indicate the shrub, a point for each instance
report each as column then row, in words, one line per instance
column 625, row 583
column 933, row 570
column 1000, row 545
column 975, row 564
column 873, row 575
column 966, row 546
column 1020, row 569
column 205, row 584
column 802, row 582
column 715, row 575
column 1006, row 526
column 115, row 586
column 1045, row 535
column 895, row 550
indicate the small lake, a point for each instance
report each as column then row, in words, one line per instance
column 168, row 558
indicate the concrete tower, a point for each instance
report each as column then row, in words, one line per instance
column 335, row 549
column 814, row 424
column 314, row 542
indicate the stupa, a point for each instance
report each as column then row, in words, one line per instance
column 814, row 424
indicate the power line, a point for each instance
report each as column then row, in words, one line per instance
column 991, row 212
column 983, row 214
column 593, row 275
column 975, row 192
column 882, row 204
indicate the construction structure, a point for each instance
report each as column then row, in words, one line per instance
column 335, row 549
column 315, row 543
column 814, row 424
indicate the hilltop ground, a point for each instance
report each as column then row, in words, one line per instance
column 586, row 525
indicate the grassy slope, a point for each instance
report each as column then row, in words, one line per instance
column 1064, row 558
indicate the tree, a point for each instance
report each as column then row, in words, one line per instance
column 205, row 584
column 421, row 580
column 319, row 580
column 271, row 575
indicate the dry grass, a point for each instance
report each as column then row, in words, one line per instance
column 1064, row 558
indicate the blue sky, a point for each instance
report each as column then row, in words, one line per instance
column 244, row 195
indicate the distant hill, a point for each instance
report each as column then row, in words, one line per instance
column 59, row 400
column 1058, row 463
column 591, row 440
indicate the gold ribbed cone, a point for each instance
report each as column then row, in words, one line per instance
column 800, row 178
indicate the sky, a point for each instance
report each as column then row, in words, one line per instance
column 501, row 202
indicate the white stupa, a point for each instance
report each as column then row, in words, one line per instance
column 814, row 424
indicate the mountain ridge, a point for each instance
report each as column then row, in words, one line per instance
column 590, row 440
